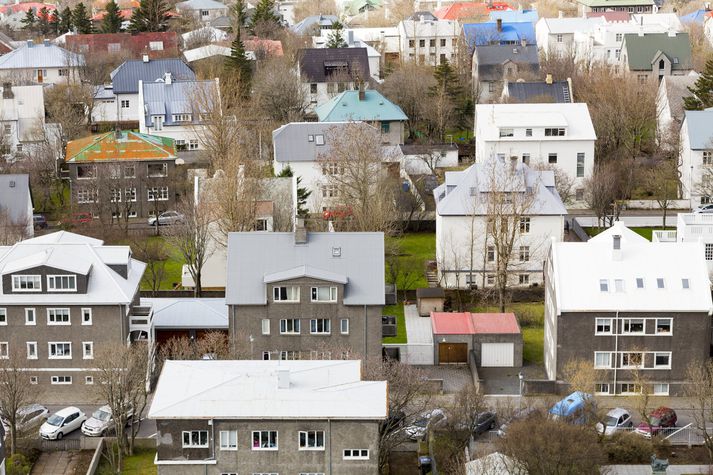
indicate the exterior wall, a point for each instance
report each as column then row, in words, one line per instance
column 428, row 305
column 325, row 91
column 182, row 134
column 364, row 338
column 49, row 75
column 515, row 338
column 312, row 178
column 338, row 435
column 212, row 14
column 130, row 113
column 438, row 339
column 436, row 47
column 691, row 168
column 696, row 228
column 550, row 344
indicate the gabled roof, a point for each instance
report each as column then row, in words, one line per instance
column 15, row 196
column 466, row 323
column 248, row 389
column 46, row 55
column 125, row 78
column 465, row 10
column 616, row 3
column 643, row 50
column 676, row 88
column 213, row 34
column 291, row 141
column 700, row 132
column 201, row 5
column 348, row 107
column 255, row 257
column 305, row 271
column 699, row 16
column 320, row 21
column 521, row 91
column 207, row 51
column 197, row 313
column 515, row 16
column 478, row 34
column 119, row 146
column 179, row 97
column 493, row 58
column 315, row 64
column 571, row 25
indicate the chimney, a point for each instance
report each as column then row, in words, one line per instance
column 523, row 42
column 283, row 378
column 167, row 78
column 560, row 14
column 30, row 43
column 7, row 90
column 46, row 42
column 300, row 231
column 548, row 79
column 707, row 6
column 362, row 92
column 499, row 23
column 616, row 247
column 146, row 58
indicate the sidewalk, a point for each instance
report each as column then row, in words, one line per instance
column 58, row 463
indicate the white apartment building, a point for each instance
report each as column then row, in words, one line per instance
column 540, row 135
column 691, row 227
column 696, row 157
column 428, row 41
column 556, row 36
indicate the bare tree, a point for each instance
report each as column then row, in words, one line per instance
column 305, row 8
column 700, row 392
column 662, row 182
column 67, row 105
column 408, row 86
column 153, row 253
column 16, row 390
column 564, row 183
column 12, row 229
column 278, row 92
column 600, row 191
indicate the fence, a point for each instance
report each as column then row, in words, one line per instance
column 96, row 458
column 60, row 445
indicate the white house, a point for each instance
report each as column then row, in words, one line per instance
column 16, row 222
column 541, row 135
column 424, row 159
column 44, row 63
column 22, row 118
column 696, row 157
column 466, row 253
column 556, row 36
column 204, row 11
column 428, row 41
column 669, row 104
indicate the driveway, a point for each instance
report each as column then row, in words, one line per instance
column 61, row 463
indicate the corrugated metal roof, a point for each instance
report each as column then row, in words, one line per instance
column 515, row 16
column 125, row 78
column 183, row 97
column 318, row 21
column 209, row 313
column 493, row 58
column 348, row 107
column 478, row 34
column 351, row 62
column 127, row 146
column 700, row 131
column 526, row 91
column 46, row 55
column 466, row 323
column 201, row 5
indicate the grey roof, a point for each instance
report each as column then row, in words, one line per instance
column 222, row 22
column 465, row 193
column 700, row 132
column 254, row 258
column 291, row 141
column 175, row 98
column 15, row 196
column 430, row 293
column 676, row 90
column 125, row 78
column 208, row 313
column 314, row 63
column 526, row 91
column 6, row 40
column 492, row 58
column 304, row 26
column 423, row 15
column 45, row 55
column 201, row 5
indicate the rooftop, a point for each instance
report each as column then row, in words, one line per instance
column 180, row 97
column 469, row 10
column 466, row 323
column 493, row 58
column 45, row 55
column 125, row 78
column 524, row 92
column 291, row 142
column 119, row 146
column 201, row 5
column 347, row 106
column 178, row 313
column 616, row 3
column 317, row 21
column 334, row 64
column 642, row 50
column 515, row 16
column 479, row 34
column 700, row 133
column 572, row 25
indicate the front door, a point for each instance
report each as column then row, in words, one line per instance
column 452, row 353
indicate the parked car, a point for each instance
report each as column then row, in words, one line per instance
column 484, row 422
column 704, row 208
column 615, row 420
column 62, row 423
column 393, row 421
column 76, row 219
column 101, row 422
column 167, row 218
column 27, row 418
column 573, row 408
column 39, row 221
column 425, row 421
column 661, row 419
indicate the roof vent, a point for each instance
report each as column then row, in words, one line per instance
column 145, row 58
column 283, row 379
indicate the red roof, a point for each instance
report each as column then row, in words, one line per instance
column 611, row 16
column 460, row 10
column 466, row 323
column 134, row 45
column 23, row 7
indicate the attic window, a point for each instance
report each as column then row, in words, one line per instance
column 675, row 60
column 660, row 283
column 685, row 284
column 604, row 285
column 639, row 283
column 336, row 252
column 332, row 68
column 507, row 132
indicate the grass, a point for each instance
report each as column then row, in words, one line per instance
column 644, row 232
column 141, row 463
column 414, row 250
column 533, row 347
column 174, row 266
column 398, row 311
column 531, row 317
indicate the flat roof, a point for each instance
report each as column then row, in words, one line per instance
column 466, row 323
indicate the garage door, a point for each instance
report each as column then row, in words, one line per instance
column 452, row 353
column 497, row 354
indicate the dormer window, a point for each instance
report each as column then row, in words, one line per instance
column 604, row 285
column 181, row 117
column 554, row 132
column 660, row 283
column 26, row 283
column 324, row 294
column 58, row 283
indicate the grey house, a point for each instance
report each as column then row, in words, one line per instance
column 15, row 208
column 220, row 417
column 306, row 295
column 630, row 307
column 62, row 296
column 494, row 64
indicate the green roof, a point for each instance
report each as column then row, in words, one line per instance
column 359, row 6
column 615, row 3
column 642, row 50
column 347, row 107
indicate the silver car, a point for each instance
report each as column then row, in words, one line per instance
column 28, row 417
column 101, row 422
column 166, row 218
column 615, row 420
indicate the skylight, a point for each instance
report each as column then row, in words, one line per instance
column 660, row 283
column 604, row 285
column 639, row 282
column 685, row 283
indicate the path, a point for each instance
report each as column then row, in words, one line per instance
column 58, row 463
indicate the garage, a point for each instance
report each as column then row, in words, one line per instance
column 497, row 355
column 452, row 353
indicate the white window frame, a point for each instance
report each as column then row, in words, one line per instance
column 265, row 326
column 28, row 345
column 524, row 253
column 226, row 439
column 260, row 432
column 524, row 225
column 18, row 279
column 603, row 285
column 664, row 353
column 34, row 380
column 355, row 454
column 627, row 392
column 293, row 322
column 289, row 355
column 88, row 355
column 86, row 311
column 628, row 321
column 630, row 366
column 89, row 380
column 4, row 350
column 58, row 357
column 599, row 388
column 295, row 296
column 190, row 444
column 656, row 327
column 3, row 316
column 51, row 311
column 306, row 434
column 598, row 321
column 313, row 326
column 52, row 282
column 344, row 326
column 64, row 379
column 314, row 294
column 602, row 366
column 125, row 104
column 662, row 391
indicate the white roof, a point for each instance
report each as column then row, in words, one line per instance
column 579, row 268
column 574, row 116
column 571, row 25
column 188, row 312
column 248, row 389
column 494, row 464
column 206, row 51
column 213, row 34
column 669, row 20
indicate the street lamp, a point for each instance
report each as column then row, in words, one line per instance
column 521, row 377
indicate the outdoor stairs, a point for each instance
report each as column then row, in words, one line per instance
column 432, row 278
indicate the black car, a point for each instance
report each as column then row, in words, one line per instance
column 39, row 221
column 484, row 422
column 394, row 421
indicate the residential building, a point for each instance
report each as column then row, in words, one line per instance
column 496, row 64
column 472, row 11
column 203, row 34
column 499, row 32
column 286, row 10
column 326, row 72
column 425, row 159
column 63, row 297
column 699, row 16
column 696, row 157
column 366, row 106
column 361, row 8
column 12, row 14
column 466, row 253
column 375, row 56
column 45, row 63
column 650, row 57
column 178, row 110
column 628, row 306
column 267, row 417
column 121, row 175
column 306, row 295
column 428, row 41
column 549, row 90
column 207, row 53
column 22, row 118
column 15, row 208
column 691, row 227
column 385, row 40
column 669, row 105
column 556, row 36
column 630, row 6
column 314, row 24
column 205, row 11
column 119, row 101
column 549, row 135
column 162, row 44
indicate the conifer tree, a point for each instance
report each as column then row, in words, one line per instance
column 29, row 21
column 702, row 90
column 152, row 15
column 43, row 21
column 264, row 15
column 336, row 37
column 54, row 22
column 65, row 21
column 81, row 20
column 111, row 23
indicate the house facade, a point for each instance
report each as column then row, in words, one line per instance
column 494, row 65
column 630, row 6
column 205, row 11
column 267, row 417
column 651, row 57
column 16, row 208
column 62, row 297
column 431, row 42
column 22, row 118
column 306, row 295
column 638, row 310
column 669, row 105
column 556, row 36
column 44, row 63
column 696, row 157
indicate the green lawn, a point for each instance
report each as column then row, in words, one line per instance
column 173, row 270
column 644, row 232
column 414, row 250
column 531, row 316
column 533, row 350
column 141, row 463
column 398, row 311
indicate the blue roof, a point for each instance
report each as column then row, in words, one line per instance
column 699, row 16
column 481, row 34
column 515, row 16
column 700, row 132
column 567, row 406
column 347, row 107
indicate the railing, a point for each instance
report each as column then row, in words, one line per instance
column 687, row 435
column 140, row 321
column 664, row 236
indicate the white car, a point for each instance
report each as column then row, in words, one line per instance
column 425, row 421
column 708, row 208
column 167, row 218
column 615, row 420
column 101, row 422
column 28, row 417
column 62, row 423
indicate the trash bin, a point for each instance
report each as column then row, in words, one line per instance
column 424, row 464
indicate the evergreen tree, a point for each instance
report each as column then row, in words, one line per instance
column 29, row 21
column 702, row 90
column 65, row 21
column 81, row 20
column 239, row 63
column 264, row 15
column 336, row 37
column 152, row 15
column 446, row 78
column 239, row 11
column 302, row 193
column 43, row 21
column 111, row 23
column 54, row 22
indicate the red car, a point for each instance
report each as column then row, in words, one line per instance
column 660, row 419
column 75, row 219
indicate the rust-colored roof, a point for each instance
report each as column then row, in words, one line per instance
column 611, row 16
column 120, row 146
column 466, row 323
column 461, row 10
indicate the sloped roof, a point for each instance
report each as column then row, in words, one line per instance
column 179, row 97
column 14, row 199
column 616, row 3
column 207, row 51
column 515, row 16
column 306, row 24
column 305, row 271
column 492, row 59
column 611, row 16
column 208, row 313
column 478, row 34
column 525, row 91
column 700, row 132
column 572, row 25
column 125, row 78
column 313, row 63
column 200, row 5
column 575, row 116
column 126, row 146
column 460, row 10
column 348, row 107
column 641, row 50
column 291, row 141
column 47, row 55
column 699, row 16
column 676, row 90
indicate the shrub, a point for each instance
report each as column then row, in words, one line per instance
column 18, row 465
column 627, row 448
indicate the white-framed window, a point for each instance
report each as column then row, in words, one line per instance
column 125, row 104
column 88, row 350
column 524, row 225
column 554, row 132
column 552, row 158
column 60, row 350
column 3, row 316
column 61, row 380
column 708, row 157
column 157, row 193
column 31, row 350
column 639, row 282
column 58, row 316
column 86, row 195
column 115, row 195
column 286, row 294
column 507, row 133
column 664, row 326
column 524, row 253
column 290, row 326
column 660, row 389
column 601, row 388
column 660, row 283
column 490, row 279
column 34, row 380
column 4, row 350
column 156, row 45
column 130, row 194
column 59, row 283
column 632, row 359
column 266, row 355
column 265, row 326
column 26, row 283
column 320, row 326
column 602, row 359
column 181, row 117
column 662, row 360
column 619, row 37
column 330, row 191
column 490, row 255
column 289, row 355
column 344, row 326
column 632, row 326
column 603, row 326
column 89, row 380
column 193, row 144
column 264, row 440
column 356, row 454
column 205, row 13
column 113, row 47
column 228, row 440
column 630, row 388
column 560, row 38
column 86, row 316
column 523, row 279
column 311, row 440
column 319, row 139
column 324, row 294
column 195, row 439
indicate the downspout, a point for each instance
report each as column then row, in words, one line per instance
column 212, row 436
column 329, row 434
column 616, row 347
column 365, row 333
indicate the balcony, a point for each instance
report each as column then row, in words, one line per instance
column 140, row 323
column 664, row 236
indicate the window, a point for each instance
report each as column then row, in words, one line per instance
column 58, row 316
column 411, row 43
column 630, row 388
column 662, row 360
column 560, row 38
column 290, row 326
column 60, row 350
column 660, row 389
column 344, row 326
column 618, row 285
column 642, row 78
column 86, row 316
column 528, row 133
column 205, row 13
column 33, row 380
column 156, row 45
column 554, row 132
column 87, row 350
column 663, row 326
column 195, row 439
column 324, row 294
column 289, row 355
column 311, row 439
column 313, row 88
column 601, row 388
column 31, row 350
column 422, row 43
column 8, row 130
column 332, row 168
column 619, row 37
column 130, row 194
column 157, row 169
column 709, row 251
column 604, row 285
column 491, row 254
column 264, row 440
column 356, row 454
column 639, row 282
column 603, row 326
column 432, row 43
column 319, row 139
column 685, row 283
column 524, row 225
column 181, row 117
column 443, row 42
column 632, row 326
column 320, row 326
column 579, row 194
column 523, row 279
column 632, row 359
column 602, row 359
column 89, row 380
column 524, row 253
column 26, row 283
column 526, row 158
column 265, row 326
column 115, row 195
column 490, row 279
column 129, row 171
column 85, row 195
column 61, row 282
column 660, row 283
column 266, row 355
column 385, row 127
column 30, row 318
column 707, row 157
column 330, row 191
column 580, row 165
column 491, row 86
column 507, row 133
column 552, row 158
column 4, row 350
column 228, row 440
column 286, row 294
column 157, row 193
column 124, row 103
column 114, row 47
column 61, row 380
